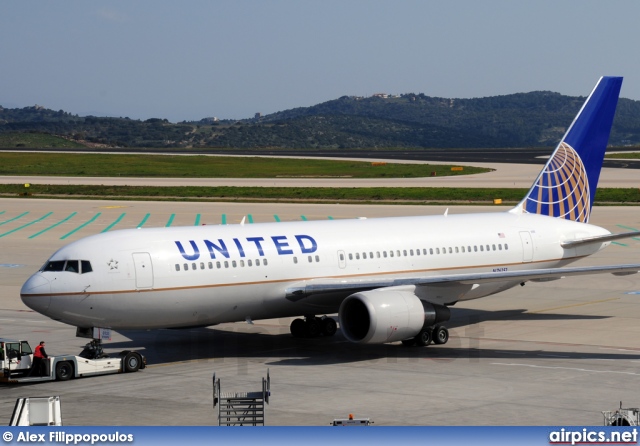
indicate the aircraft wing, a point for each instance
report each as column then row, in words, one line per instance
column 328, row 285
column 599, row 239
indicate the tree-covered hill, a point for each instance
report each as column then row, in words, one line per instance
column 409, row 120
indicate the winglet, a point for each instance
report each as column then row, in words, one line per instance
column 567, row 185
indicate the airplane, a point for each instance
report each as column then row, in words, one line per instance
column 388, row 279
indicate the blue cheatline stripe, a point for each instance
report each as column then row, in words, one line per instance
column 197, row 223
column 170, row 220
column 224, row 219
column 14, row 218
column 144, row 220
column 619, row 244
column 629, row 227
column 276, row 218
column 94, row 218
column 114, row 223
column 303, row 218
column 54, row 225
column 250, row 218
column 28, row 224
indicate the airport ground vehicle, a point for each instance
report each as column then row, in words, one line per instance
column 16, row 363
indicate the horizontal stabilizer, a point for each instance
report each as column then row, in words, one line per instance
column 599, row 239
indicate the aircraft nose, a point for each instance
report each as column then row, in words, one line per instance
column 36, row 293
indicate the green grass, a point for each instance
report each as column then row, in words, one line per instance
column 35, row 141
column 200, row 166
column 628, row 156
column 411, row 195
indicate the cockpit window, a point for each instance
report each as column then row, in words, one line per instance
column 72, row 266
column 55, row 265
column 86, row 266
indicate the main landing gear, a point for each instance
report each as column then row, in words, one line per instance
column 312, row 327
column 437, row 334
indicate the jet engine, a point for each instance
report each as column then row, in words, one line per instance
column 379, row 316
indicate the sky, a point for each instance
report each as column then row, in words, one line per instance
column 187, row 60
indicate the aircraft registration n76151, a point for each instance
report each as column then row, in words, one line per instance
column 388, row 279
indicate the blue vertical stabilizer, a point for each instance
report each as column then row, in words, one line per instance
column 566, row 186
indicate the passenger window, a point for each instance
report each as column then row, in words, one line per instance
column 481, row 248
column 186, row 267
column 506, row 246
column 398, row 252
column 177, row 267
column 364, row 255
column 384, row 254
column 390, row 253
column 437, row 250
column 201, row 265
column 341, row 257
column 72, row 266
column 226, row 264
column 371, row 255
column 234, row 263
column 500, row 246
column 457, row 250
column 86, row 266
column 310, row 259
column 475, row 248
column 450, row 250
column 494, row 247
column 193, row 266
column 257, row 262
column 295, row 259
column 210, row 265
column 249, row 263
column 417, row 252
column 431, row 251
column 218, row 265
column 265, row 262
column 350, row 256
column 378, row 254
column 357, row 256
column 317, row 258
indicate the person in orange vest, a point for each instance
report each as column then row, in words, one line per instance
column 39, row 355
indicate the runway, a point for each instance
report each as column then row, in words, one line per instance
column 544, row 354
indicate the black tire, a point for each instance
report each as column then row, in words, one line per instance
column 313, row 328
column 440, row 335
column 409, row 342
column 424, row 338
column 329, row 326
column 132, row 362
column 64, row 371
column 298, row 328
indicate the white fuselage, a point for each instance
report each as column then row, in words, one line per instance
column 199, row 276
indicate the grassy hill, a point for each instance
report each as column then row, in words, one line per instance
column 409, row 121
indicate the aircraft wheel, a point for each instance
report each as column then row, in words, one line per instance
column 64, row 371
column 132, row 362
column 313, row 328
column 424, row 338
column 409, row 342
column 440, row 335
column 298, row 328
column 329, row 326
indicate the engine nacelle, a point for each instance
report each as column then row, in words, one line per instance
column 376, row 317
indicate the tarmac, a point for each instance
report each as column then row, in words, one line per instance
column 554, row 353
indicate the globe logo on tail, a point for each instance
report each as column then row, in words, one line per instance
column 562, row 189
